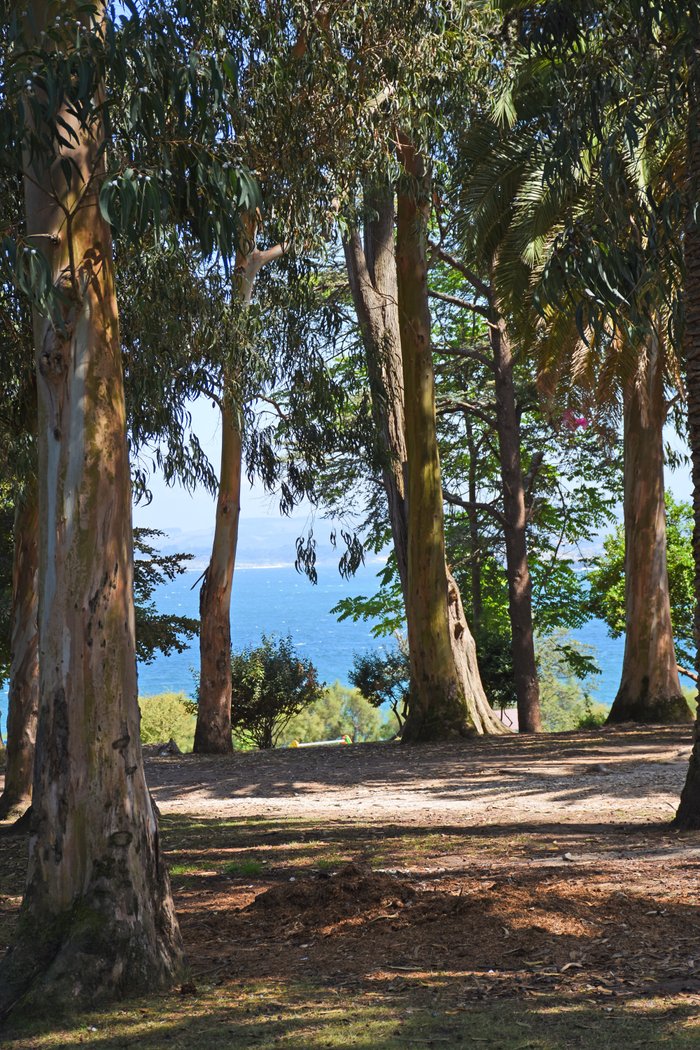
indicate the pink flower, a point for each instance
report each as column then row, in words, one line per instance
column 572, row 421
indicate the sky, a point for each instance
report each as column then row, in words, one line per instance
column 264, row 537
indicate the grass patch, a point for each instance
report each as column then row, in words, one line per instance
column 312, row 1017
column 246, row 869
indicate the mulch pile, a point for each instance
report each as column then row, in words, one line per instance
column 605, row 932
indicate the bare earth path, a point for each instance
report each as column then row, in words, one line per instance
column 632, row 775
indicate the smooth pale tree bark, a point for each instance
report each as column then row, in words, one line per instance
column 526, row 683
column 649, row 689
column 373, row 280
column 688, row 815
column 97, row 919
column 447, row 698
column 213, row 729
column 23, row 694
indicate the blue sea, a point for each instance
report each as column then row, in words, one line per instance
column 278, row 600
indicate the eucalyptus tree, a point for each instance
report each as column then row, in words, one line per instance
column 213, row 729
column 481, row 298
column 570, row 476
column 96, row 886
column 391, row 157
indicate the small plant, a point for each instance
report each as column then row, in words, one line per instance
column 246, row 869
column 271, row 685
column 384, row 678
column 593, row 715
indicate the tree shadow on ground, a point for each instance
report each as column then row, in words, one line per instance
column 564, row 767
column 307, row 1017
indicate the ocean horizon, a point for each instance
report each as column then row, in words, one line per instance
column 275, row 599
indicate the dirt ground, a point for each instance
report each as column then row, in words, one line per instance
column 452, row 885
column 509, row 865
column 616, row 775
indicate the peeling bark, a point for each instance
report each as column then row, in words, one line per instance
column 23, row 698
column 97, row 919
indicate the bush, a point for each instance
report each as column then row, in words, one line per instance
column 384, row 678
column 270, row 686
column 165, row 716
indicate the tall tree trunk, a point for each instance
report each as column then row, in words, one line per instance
column 23, row 699
column 373, row 281
column 649, row 690
column 688, row 815
column 97, row 919
column 527, row 688
column 213, row 729
column 372, row 275
column 447, row 697
column 475, row 567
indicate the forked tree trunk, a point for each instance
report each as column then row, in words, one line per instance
column 23, row 698
column 447, row 697
column 649, row 689
column 527, row 688
column 373, row 281
column 97, row 919
column 213, row 729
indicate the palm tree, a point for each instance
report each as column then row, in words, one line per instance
column 540, row 230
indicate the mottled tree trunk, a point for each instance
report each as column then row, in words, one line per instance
column 527, row 688
column 23, row 698
column 213, row 730
column 447, row 697
column 373, row 281
column 649, row 689
column 97, row 919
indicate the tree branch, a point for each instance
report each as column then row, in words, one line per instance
column 479, row 286
column 445, row 406
column 456, row 501
column 531, row 476
column 471, row 355
column 455, row 300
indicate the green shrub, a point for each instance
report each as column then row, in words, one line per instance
column 270, row 686
column 383, row 678
column 590, row 715
column 166, row 716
